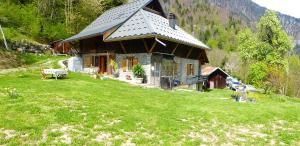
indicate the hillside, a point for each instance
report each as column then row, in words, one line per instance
column 216, row 22
column 250, row 13
column 43, row 21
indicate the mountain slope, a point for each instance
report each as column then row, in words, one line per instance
column 250, row 12
column 217, row 22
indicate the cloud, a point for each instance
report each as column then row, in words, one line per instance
column 289, row 7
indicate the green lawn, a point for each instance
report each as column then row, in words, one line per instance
column 82, row 111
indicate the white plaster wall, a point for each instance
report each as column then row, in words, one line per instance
column 75, row 64
column 143, row 58
column 182, row 68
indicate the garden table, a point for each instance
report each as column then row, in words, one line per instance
column 56, row 72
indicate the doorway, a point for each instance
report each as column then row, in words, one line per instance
column 102, row 64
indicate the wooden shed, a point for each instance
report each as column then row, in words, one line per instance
column 215, row 77
column 61, row 47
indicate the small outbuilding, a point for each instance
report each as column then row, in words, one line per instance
column 215, row 77
column 60, row 47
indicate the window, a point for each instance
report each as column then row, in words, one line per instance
column 91, row 61
column 190, row 69
column 129, row 63
column 87, row 61
column 167, row 67
column 96, row 60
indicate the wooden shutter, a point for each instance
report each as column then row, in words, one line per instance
column 124, row 62
column 176, row 69
column 168, row 70
column 188, row 68
column 135, row 61
column 87, row 61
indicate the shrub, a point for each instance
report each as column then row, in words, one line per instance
column 138, row 71
column 258, row 73
column 12, row 93
column 114, row 65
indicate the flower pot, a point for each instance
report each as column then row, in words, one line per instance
column 116, row 75
column 139, row 80
column 95, row 76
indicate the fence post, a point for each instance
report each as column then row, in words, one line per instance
column 5, row 43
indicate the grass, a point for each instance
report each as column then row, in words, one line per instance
column 82, row 111
column 11, row 59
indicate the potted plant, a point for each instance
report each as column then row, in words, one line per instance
column 139, row 73
column 114, row 67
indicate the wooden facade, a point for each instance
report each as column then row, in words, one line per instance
column 215, row 77
column 97, row 47
column 61, row 47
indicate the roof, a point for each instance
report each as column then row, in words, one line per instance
column 209, row 70
column 132, row 22
column 146, row 24
column 110, row 19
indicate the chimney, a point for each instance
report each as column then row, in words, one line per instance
column 172, row 20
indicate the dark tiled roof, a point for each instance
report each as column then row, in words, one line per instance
column 110, row 19
column 146, row 24
column 134, row 22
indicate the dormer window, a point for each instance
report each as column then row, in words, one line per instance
column 156, row 8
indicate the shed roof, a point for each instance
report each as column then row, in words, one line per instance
column 209, row 70
column 146, row 24
column 110, row 19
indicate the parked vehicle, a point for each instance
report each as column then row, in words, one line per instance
column 251, row 88
column 233, row 83
column 228, row 80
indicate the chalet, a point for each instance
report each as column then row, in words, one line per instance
column 141, row 32
column 215, row 77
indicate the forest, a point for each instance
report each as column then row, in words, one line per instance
column 47, row 20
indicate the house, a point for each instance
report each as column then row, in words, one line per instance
column 215, row 77
column 61, row 47
column 141, row 32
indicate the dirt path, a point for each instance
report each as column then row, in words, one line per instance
column 11, row 70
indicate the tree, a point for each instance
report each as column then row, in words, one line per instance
column 275, row 41
column 294, row 74
column 247, row 45
column 47, row 20
column 266, row 51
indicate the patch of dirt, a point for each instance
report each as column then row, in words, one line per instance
column 65, row 136
column 204, row 137
column 114, row 122
column 8, row 60
column 128, row 143
column 103, row 137
column 8, row 134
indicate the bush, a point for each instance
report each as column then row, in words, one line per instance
column 12, row 93
column 260, row 75
column 138, row 71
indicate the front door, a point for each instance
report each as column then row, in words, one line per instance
column 103, row 64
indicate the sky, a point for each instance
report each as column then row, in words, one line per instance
column 289, row 7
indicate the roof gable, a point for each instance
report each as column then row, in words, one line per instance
column 146, row 24
column 207, row 71
column 110, row 19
